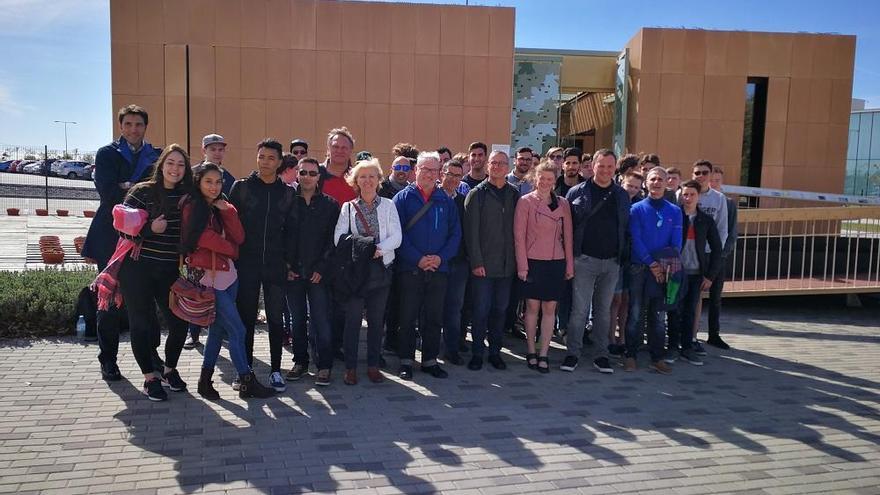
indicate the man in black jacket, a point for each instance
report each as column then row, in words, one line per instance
column 459, row 269
column 266, row 208
column 312, row 243
column 701, row 268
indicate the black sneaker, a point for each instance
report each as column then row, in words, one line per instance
column 436, row 371
column 110, row 372
column 154, row 391
column 173, row 381
column 497, row 362
column 405, row 372
column 602, row 364
column 717, row 341
column 569, row 363
column 476, row 363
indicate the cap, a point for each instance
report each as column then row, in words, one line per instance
column 299, row 142
column 363, row 155
column 212, row 139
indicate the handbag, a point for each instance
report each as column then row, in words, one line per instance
column 191, row 301
column 379, row 275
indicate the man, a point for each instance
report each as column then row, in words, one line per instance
column 655, row 225
column 700, row 269
column 647, row 162
column 673, row 182
column 459, row 270
column 571, row 172
column 312, row 245
column 398, row 180
column 586, row 166
column 340, row 144
column 716, row 183
column 488, row 215
column 118, row 166
column 266, row 207
column 477, row 159
column 431, row 235
column 600, row 217
column 557, row 156
column 518, row 178
column 299, row 148
column 445, row 154
column 213, row 151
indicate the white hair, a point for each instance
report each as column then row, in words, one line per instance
column 427, row 155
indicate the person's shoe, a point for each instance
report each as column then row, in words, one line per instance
column 671, row 356
column 476, row 363
column 629, row 364
column 351, row 377
column 322, row 379
column 375, row 375
column 205, row 386
column 154, row 391
column 190, row 342
column 173, row 381
column 661, row 367
column 454, row 359
column 717, row 341
column 532, row 361
column 602, row 365
column 691, row 357
column 298, row 371
column 436, row 371
column 697, row 347
column 405, row 372
column 546, row 365
column 276, row 381
column 339, row 355
column 569, row 363
column 236, row 384
column 497, row 362
column 249, row 387
column 110, row 372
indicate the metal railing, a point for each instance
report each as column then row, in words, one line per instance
column 812, row 250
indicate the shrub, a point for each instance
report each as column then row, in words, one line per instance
column 39, row 303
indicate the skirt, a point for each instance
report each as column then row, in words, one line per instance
column 545, row 282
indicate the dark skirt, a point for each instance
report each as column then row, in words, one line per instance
column 546, row 280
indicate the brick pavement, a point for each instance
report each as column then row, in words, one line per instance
column 793, row 409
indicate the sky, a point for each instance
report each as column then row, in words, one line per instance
column 55, row 54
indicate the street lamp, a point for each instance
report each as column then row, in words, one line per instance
column 65, row 122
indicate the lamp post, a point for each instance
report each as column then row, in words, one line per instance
column 65, row 122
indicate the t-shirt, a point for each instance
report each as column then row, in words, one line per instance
column 600, row 231
column 470, row 181
column 562, row 188
column 338, row 189
column 689, row 260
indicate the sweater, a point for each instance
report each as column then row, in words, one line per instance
column 162, row 247
column 389, row 227
column 541, row 233
column 654, row 224
column 437, row 232
column 714, row 204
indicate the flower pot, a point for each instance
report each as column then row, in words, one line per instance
column 12, row 212
column 42, row 212
column 53, row 256
column 62, row 213
column 89, row 213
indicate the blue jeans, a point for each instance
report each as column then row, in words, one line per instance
column 681, row 320
column 593, row 289
column 305, row 298
column 638, row 301
column 490, row 297
column 459, row 270
column 227, row 322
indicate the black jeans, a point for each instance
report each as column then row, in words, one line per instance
column 144, row 285
column 420, row 290
column 715, row 300
column 250, row 279
column 680, row 321
column 306, row 298
column 374, row 303
column 108, row 325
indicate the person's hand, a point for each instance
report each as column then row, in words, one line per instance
column 159, row 224
column 569, row 275
column 316, row 278
column 656, row 270
column 125, row 186
column 221, row 204
column 479, row 271
column 435, row 262
column 523, row 275
column 291, row 275
column 378, row 253
column 706, row 285
column 424, row 263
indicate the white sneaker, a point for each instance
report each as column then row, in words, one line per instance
column 276, row 381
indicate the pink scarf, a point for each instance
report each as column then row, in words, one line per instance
column 129, row 221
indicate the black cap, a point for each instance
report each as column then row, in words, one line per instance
column 299, row 142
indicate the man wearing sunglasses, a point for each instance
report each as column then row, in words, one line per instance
column 401, row 168
column 299, row 148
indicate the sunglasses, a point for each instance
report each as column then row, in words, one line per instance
column 298, row 152
column 401, row 168
column 701, row 172
column 310, row 173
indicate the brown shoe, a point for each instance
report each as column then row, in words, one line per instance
column 351, row 377
column 323, row 378
column 629, row 364
column 375, row 375
column 661, row 367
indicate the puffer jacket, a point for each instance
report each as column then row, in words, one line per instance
column 222, row 236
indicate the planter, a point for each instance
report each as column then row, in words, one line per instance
column 78, row 244
column 52, row 256
column 12, row 212
column 62, row 213
column 41, row 212
column 89, row 213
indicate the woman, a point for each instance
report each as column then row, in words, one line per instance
column 544, row 260
column 211, row 233
column 145, row 280
column 375, row 218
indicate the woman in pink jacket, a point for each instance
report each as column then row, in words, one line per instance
column 543, row 238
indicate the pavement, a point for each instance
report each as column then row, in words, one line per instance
column 793, row 408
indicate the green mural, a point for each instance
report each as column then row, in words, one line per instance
column 535, row 99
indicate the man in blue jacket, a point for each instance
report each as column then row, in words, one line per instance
column 118, row 166
column 431, row 235
column 654, row 224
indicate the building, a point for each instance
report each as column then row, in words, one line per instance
column 863, row 153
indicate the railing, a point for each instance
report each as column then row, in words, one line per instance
column 28, row 193
column 813, row 250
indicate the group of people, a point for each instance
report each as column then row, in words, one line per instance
column 446, row 242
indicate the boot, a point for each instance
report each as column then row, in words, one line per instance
column 250, row 387
column 206, row 389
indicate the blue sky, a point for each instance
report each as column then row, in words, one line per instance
column 55, row 54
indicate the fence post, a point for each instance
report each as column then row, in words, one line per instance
column 46, row 174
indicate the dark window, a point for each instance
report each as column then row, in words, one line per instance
column 753, row 134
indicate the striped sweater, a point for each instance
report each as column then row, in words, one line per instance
column 157, row 247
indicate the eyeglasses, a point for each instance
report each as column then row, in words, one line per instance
column 401, row 167
column 310, row 173
column 701, row 172
column 556, row 157
column 659, row 218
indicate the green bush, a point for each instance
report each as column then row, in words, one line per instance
column 40, row 303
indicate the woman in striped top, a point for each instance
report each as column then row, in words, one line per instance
column 146, row 281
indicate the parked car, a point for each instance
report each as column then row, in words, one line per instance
column 31, row 167
column 70, row 169
column 90, row 172
column 4, row 165
column 18, row 165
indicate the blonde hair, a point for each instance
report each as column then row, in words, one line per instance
column 544, row 166
column 362, row 165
